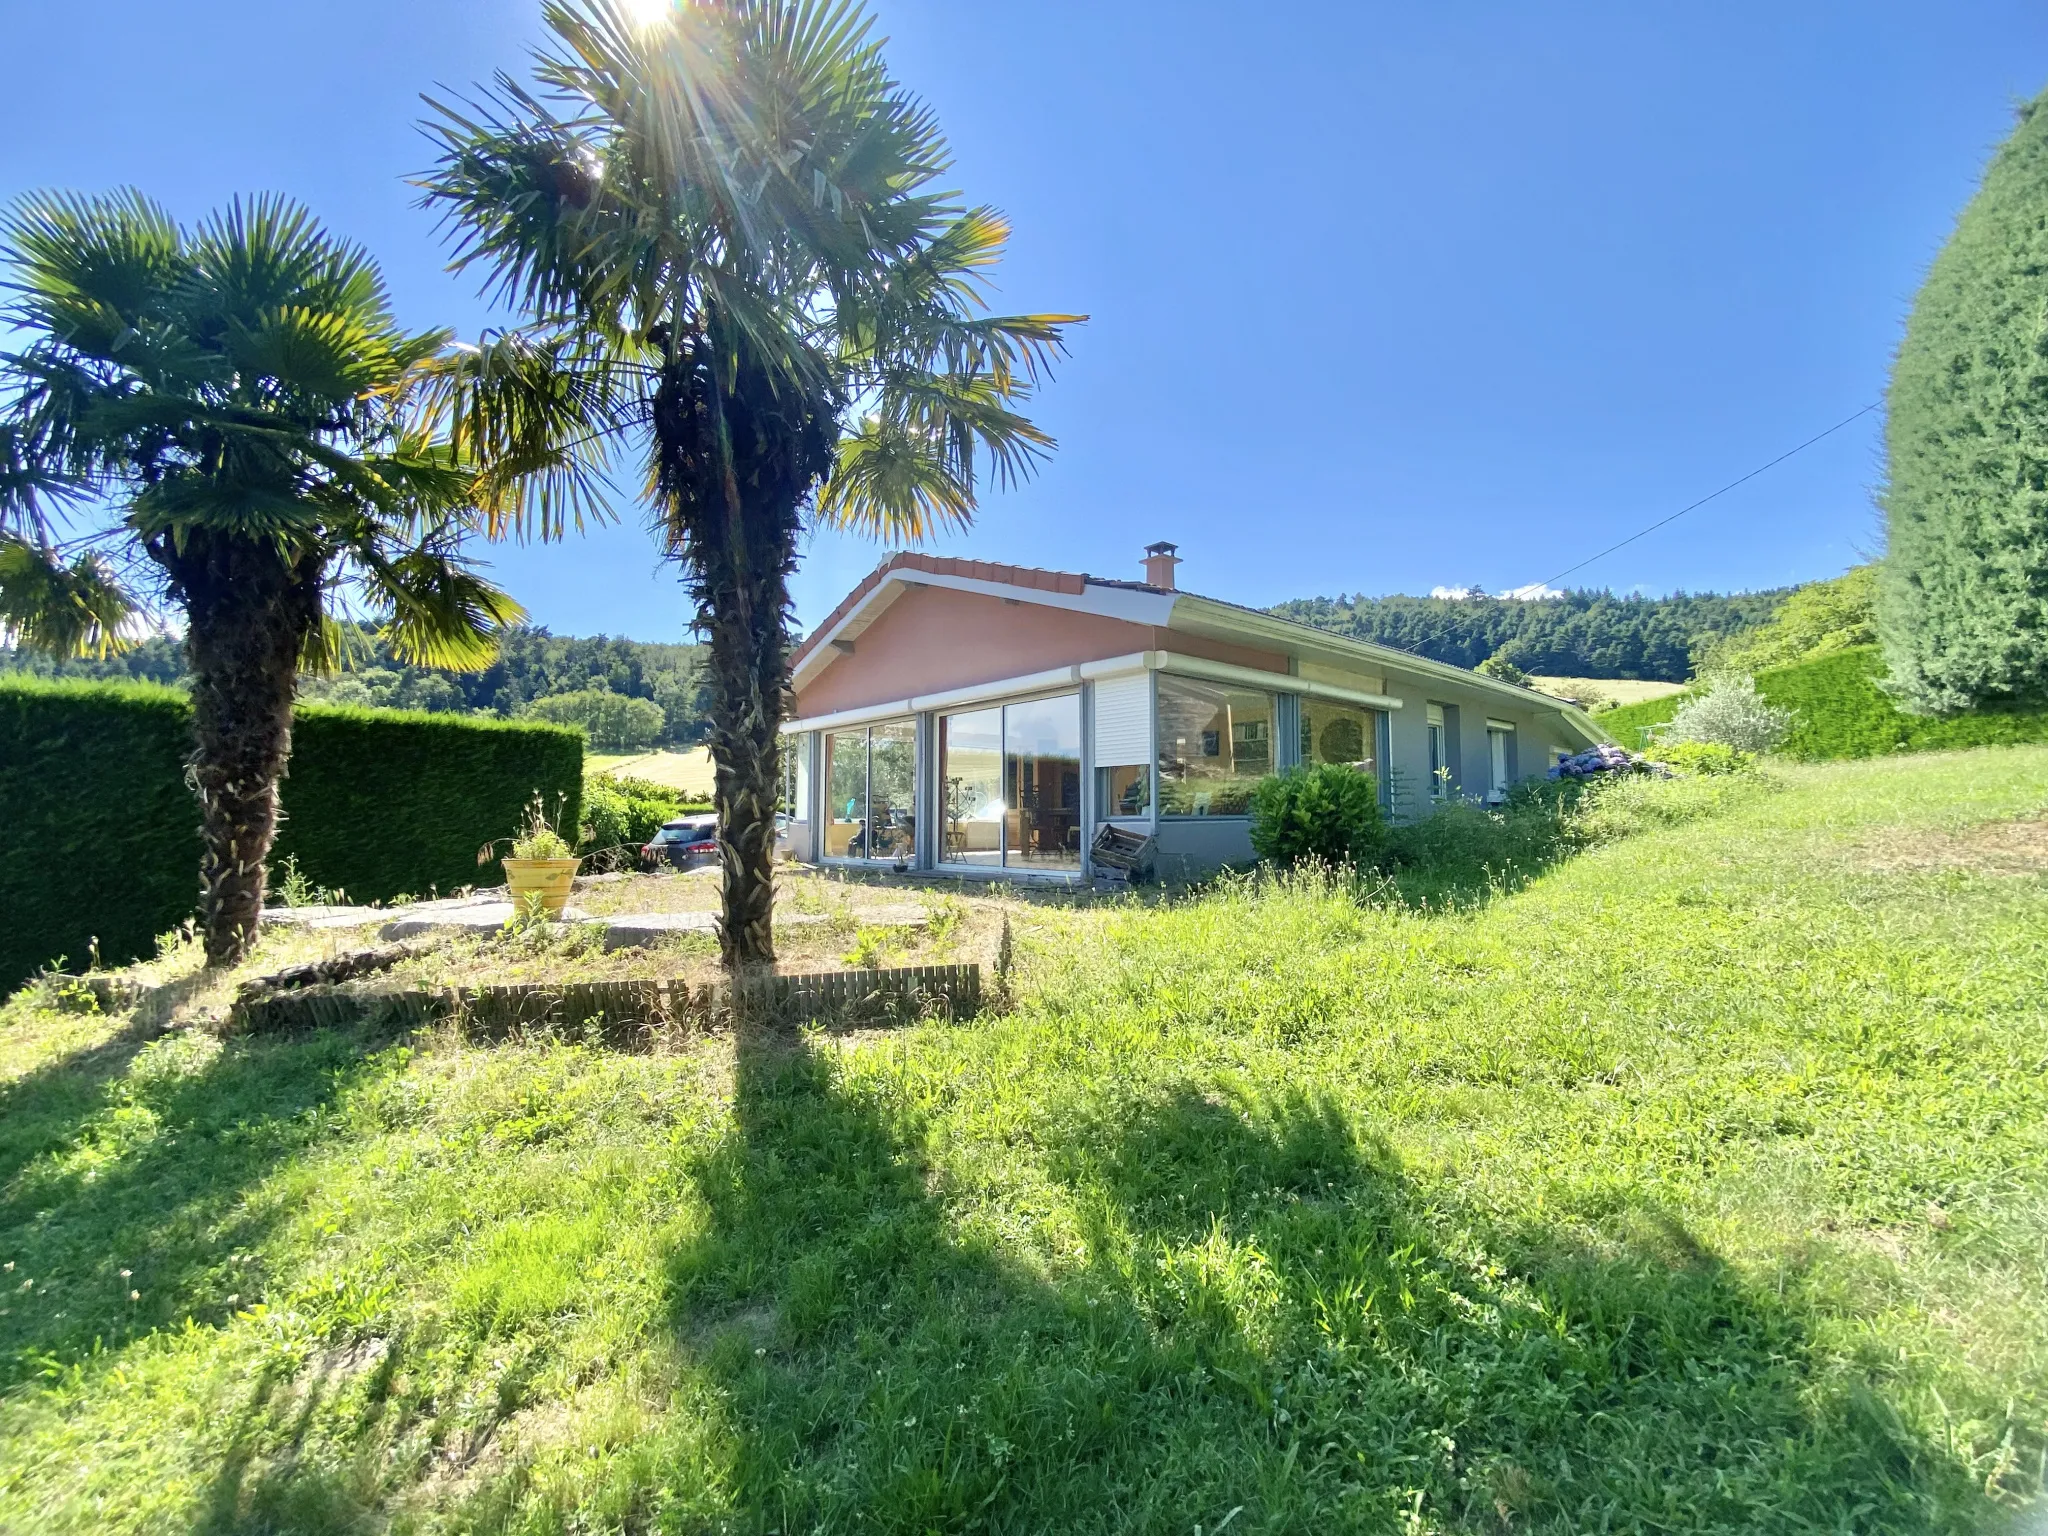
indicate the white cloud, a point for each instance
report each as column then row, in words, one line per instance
column 1534, row 592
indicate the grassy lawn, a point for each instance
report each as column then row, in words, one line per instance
column 1700, row 1183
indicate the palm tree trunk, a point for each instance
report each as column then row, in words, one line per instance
column 737, row 459
column 249, row 610
column 749, row 666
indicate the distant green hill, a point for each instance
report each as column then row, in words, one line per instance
column 1579, row 634
column 1843, row 713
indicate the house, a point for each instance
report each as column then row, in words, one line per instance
column 958, row 716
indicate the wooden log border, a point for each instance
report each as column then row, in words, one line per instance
column 630, row 1014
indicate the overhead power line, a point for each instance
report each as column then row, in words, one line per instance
column 1731, row 485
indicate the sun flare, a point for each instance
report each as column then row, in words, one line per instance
column 648, row 13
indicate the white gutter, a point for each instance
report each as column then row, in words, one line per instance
column 1282, row 682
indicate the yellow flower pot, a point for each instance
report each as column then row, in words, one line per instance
column 545, row 880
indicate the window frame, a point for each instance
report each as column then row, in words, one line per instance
column 866, row 733
column 1274, row 738
column 1000, row 708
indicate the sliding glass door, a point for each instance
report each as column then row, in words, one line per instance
column 871, row 793
column 1011, row 781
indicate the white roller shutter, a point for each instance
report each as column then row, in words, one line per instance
column 1123, row 721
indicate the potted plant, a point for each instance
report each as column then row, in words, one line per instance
column 541, row 868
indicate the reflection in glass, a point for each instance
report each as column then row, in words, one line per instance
column 892, row 791
column 1123, row 791
column 846, row 795
column 971, row 775
column 1340, row 733
column 1215, row 744
column 1042, row 774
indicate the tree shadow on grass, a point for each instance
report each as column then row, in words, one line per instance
column 138, row 1180
column 1268, row 1316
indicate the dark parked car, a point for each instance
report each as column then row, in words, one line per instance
column 688, row 843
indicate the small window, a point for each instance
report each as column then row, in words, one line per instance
column 1439, row 754
column 1123, row 792
column 1497, row 744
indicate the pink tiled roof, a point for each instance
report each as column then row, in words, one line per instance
column 1070, row 583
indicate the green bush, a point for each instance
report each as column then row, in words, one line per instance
column 1327, row 812
column 624, row 813
column 383, row 804
column 1842, row 711
column 100, row 834
column 1705, row 758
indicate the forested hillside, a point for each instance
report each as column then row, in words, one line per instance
column 533, row 664
column 1581, row 634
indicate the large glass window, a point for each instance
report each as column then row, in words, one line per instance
column 846, row 795
column 971, row 778
column 1215, row 744
column 1012, row 784
column 1340, row 733
column 871, row 792
column 796, row 778
column 1042, row 774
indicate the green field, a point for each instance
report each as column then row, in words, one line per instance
column 1701, row 1184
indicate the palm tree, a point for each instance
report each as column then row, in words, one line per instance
column 238, row 423
column 719, row 218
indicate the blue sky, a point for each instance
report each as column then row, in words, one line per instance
column 1384, row 296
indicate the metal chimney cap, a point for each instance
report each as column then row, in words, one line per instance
column 1162, row 548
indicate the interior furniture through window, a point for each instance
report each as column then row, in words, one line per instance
column 871, row 792
column 1215, row 744
column 1010, row 777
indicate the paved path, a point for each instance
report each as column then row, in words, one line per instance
column 489, row 912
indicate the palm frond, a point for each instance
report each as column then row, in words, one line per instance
column 88, row 267
column 61, row 609
column 436, row 611
column 893, row 481
column 538, row 413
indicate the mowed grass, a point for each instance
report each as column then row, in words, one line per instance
column 1700, row 1184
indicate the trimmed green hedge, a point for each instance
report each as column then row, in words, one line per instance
column 99, row 836
column 383, row 803
column 1843, row 713
column 99, row 833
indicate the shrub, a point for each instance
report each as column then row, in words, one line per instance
column 383, row 804
column 1707, row 758
column 1327, row 812
column 611, row 720
column 1731, row 713
column 100, row 837
column 625, row 813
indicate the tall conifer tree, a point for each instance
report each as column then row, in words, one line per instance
column 1963, row 602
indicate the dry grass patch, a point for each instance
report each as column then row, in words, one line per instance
column 1990, row 847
